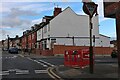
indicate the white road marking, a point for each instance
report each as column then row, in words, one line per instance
column 22, row 71
column 47, row 63
column 29, row 59
column 11, row 57
column 4, row 73
column 38, row 62
column 113, row 65
column 97, row 60
column 40, row 71
column 14, row 56
column 44, row 65
column 12, row 70
column 20, row 55
column 18, row 71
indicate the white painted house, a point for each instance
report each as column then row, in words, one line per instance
column 69, row 28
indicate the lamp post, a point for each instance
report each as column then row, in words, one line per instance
column 8, row 41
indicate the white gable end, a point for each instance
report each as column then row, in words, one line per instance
column 68, row 22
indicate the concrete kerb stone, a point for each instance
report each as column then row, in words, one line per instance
column 103, row 55
column 66, row 72
column 39, row 56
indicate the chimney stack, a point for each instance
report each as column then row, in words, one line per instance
column 57, row 11
column 17, row 36
column 32, row 28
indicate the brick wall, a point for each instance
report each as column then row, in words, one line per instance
column 29, row 41
column 60, row 49
column 24, row 42
column 38, row 52
column 103, row 50
column 47, row 52
column 34, row 39
column 44, row 52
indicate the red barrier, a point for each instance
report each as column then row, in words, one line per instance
column 85, row 53
column 79, row 58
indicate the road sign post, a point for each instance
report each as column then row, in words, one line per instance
column 90, row 8
column 8, row 42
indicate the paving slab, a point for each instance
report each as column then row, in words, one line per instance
column 101, row 71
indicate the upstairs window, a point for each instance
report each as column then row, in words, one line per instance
column 48, row 27
column 45, row 29
column 53, row 40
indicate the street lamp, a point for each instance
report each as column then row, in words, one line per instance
column 8, row 41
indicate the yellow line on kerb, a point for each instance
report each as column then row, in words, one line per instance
column 53, row 75
column 49, row 73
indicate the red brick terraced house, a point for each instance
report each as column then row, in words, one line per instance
column 33, row 35
column 29, row 40
column 24, row 41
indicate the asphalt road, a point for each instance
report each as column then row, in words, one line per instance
column 16, row 67
column 57, row 61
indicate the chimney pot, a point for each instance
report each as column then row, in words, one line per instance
column 57, row 11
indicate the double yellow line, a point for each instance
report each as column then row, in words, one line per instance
column 52, row 74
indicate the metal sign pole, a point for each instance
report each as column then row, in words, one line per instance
column 91, row 47
column 8, row 41
column 90, row 8
column 118, row 39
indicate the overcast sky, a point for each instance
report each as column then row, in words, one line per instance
column 18, row 16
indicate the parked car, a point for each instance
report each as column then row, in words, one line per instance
column 13, row 50
column 114, row 54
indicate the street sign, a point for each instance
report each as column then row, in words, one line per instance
column 90, row 8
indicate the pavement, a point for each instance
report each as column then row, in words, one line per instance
column 101, row 72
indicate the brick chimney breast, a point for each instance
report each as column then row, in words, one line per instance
column 57, row 11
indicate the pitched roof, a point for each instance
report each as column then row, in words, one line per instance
column 104, row 35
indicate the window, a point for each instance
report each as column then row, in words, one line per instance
column 45, row 29
column 48, row 27
column 37, row 45
column 32, row 36
column 44, row 45
column 43, row 20
column 53, row 40
column 39, row 34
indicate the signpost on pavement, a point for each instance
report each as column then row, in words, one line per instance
column 8, row 42
column 90, row 8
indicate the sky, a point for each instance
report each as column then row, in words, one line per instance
column 17, row 16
